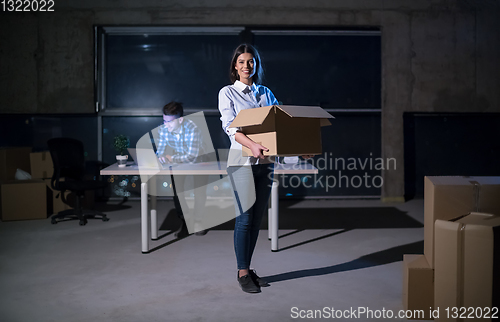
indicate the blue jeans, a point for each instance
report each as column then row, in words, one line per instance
column 252, row 187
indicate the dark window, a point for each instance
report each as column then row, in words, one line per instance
column 145, row 68
column 148, row 72
column 331, row 71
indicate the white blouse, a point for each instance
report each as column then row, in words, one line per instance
column 233, row 99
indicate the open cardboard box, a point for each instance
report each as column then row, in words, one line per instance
column 286, row 130
column 13, row 158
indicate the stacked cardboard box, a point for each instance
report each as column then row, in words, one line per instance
column 467, row 265
column 20, row 199
column 12, row 159
column 418, row 285
column 445, row 198
column 23, row 199
column 41, row 165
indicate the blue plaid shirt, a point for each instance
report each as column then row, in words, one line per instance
column 186, row 141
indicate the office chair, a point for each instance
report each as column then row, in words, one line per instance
column 69, row 171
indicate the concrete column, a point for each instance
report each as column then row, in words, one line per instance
column 396, row 93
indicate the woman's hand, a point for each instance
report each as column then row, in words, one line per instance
column 307, row 156
column 257, row 149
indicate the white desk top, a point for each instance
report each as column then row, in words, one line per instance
column 203, row 168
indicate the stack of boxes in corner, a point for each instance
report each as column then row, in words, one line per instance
column 460, row 267
column 20, row 199
column 43, row 168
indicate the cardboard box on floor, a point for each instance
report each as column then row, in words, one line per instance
column 286, row 130
column 57, row 203
column 23, row 199
column 467, row 272
column 41, row 165
column 418, row 286
column 446, row 198
column 12, row 159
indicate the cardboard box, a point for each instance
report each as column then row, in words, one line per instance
column 467, row 259
column 41, row 165
column 446, row 198
column 12, row 159
column 418, row 286
column 57, row 204
column 285, row 130
column 23, row 199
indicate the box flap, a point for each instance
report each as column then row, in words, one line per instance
column 305, row 111
column 450, row 180
column 252, row 116
column 481, row 219
column 324, row 122
column 486, row 180
column 416, row 261
column 463, row 180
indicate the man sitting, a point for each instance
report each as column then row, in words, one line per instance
column 184, row 137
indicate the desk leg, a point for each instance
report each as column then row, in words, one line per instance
column 269, row 217
column 144, row 218
column 154, row 218
column 274, row 216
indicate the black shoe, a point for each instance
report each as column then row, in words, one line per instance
column 201, row 232
column 257, row 280
column 182, row 231
column 247, row 284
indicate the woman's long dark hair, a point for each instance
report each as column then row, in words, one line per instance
column 259, row 70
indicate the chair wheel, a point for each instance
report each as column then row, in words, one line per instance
column 105, row 219
column 83, row 222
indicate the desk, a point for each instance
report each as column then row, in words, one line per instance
column 207, row 168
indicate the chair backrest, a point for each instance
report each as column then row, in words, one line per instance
column 68, row 156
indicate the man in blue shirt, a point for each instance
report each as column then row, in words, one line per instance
column 184, row 137
column 179, row 133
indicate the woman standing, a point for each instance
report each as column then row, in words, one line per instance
column 251, row 177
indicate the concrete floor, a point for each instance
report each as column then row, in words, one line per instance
column 339, row 254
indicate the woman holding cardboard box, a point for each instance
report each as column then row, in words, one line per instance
column 251, row 176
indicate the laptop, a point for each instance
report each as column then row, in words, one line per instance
column 133, row 155
column 146, row 158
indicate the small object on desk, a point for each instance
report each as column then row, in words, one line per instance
column 122, row 160
column 121, row 143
